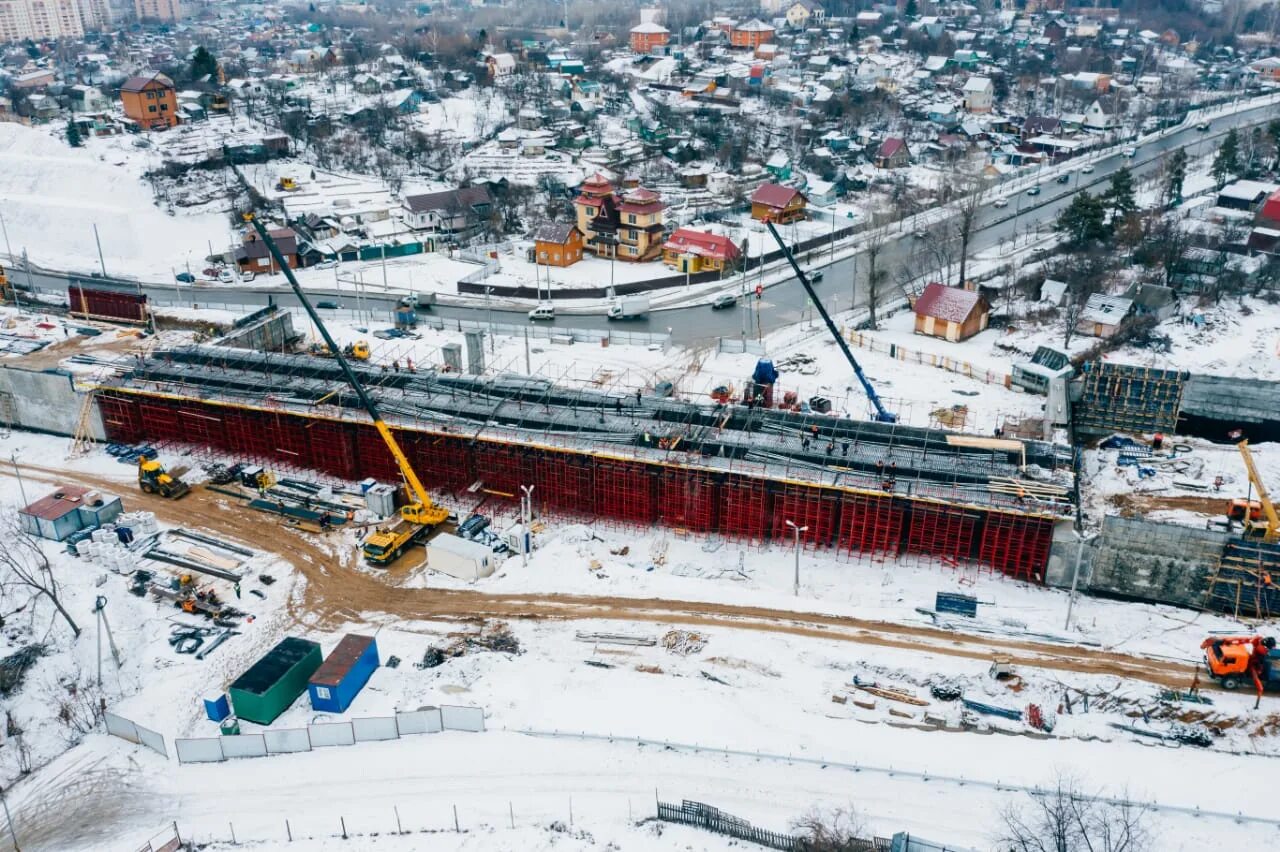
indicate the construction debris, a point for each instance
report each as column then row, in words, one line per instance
column 889, row 693
column 13, row 668
column 992, row 710
column 492, row 636
column 616, row 639
column 683, row 642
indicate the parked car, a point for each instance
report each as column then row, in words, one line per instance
column 325, row 304
column 543, row 312
column 815, row 277
column 1064, row 178
column 248, row 275
column 185, row 277
column 1035, row 190
column 1000, row 202
column 1087, row 169
column 1203, row 127
column 226, row 276
column 326, row 264
column 726, row 300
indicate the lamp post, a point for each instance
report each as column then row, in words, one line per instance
column 526, row 518
column 1081, row 541
column 795, row 588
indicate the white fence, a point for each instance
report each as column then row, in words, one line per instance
column 551, row 332
column 118, row 726
column 428, row 720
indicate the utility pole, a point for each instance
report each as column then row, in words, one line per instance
column 526, row 519
column 18, row 473
column 795, row 589
column 9, row 820
column 102, row 264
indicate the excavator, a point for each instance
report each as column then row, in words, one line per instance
column 1259, row 517
column 1232, row 659
column 420, row 514
column 154, row 479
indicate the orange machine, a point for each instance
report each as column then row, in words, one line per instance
column 1230, row 659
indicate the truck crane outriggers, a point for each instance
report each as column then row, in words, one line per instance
column 420, row 515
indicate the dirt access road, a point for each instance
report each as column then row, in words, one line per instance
column 333, row 594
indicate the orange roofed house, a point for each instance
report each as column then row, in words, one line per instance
column 622, row 226
column 151, row 100
column 693, row 251
column 778, row 203
column 557, row 244
column 950, row 313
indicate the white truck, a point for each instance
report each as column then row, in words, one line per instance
column 628, row 307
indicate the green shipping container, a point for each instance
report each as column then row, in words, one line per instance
column 274, row 682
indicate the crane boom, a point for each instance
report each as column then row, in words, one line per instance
column 1268, row 508
column 883, row 414
column 423, row 511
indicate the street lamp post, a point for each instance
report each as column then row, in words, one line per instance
column 1081, row 541
column 526, row 518
column 795, row 587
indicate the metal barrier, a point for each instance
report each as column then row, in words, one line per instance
column 426, row 720
column 118, row 726
column 550, row 332
column 928, row 359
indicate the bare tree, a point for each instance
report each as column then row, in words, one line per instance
column 1085, row 273
column 876, row 275
column 967, row 185
column 1066, row 819
column 839, row 829
column 24, row 567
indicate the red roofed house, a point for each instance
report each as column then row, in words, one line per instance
column 625, row 226
column 647, row 37
column 693, row 251
column 778, row 203
column 951, row 313
column 751, row 35
column 1269, row 215
column 893, row 153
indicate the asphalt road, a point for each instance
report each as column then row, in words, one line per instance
column 781, row 305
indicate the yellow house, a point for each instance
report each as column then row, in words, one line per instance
column 626, row 226
column 802, row 12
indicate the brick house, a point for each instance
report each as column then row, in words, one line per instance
column 150, row 100
column 893, row 153
column 751, row 35
column 778, row 203
column 557, row 244
column 950, row 313
column 688, row 250
column 648, row 37
column 254, row 256
column 626, row 226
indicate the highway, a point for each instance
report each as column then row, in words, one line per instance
column 781, row 305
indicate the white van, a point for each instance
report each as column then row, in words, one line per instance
column 543, row 312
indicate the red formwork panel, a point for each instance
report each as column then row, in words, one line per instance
column 871, row 524
column 1016, row 545
column 625, row 491
column 442, row 461
column 372, row 456
column 120, row 418
column 502, row 469
column 332, row 448
column 943, row 531
column 744, row 508
column 805, row 506
column 160, row 420
column 689, row 499
column 564, row 483
column 203, row 425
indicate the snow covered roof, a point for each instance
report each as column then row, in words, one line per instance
column 649, row 27
column 977, row 84
column 1104, row 309
column 946, row 303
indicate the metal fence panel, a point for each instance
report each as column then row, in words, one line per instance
column 288, row 740
column 244, row 745
column 206, row 750
column 118, row 726
column 152, row 740
column 424, row 721
column 462, row 718
column 331, row 734
column 375, row 728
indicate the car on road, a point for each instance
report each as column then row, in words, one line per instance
column 327, row 305
column 815, row 276
column 1087, row 169
column 725, row 300
column 543, row 312
column 326, row 264
column 185, row 277
column 1130, row 153
column 921, row 235
column 1066, row 178
column 1035, row 190
column 1203, row 127
column 1000, row 202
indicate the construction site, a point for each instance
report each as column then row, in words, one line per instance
column 303, row 545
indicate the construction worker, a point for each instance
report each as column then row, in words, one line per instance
column 844, row 450
column 324, row 521
column 237, row 588
column 1157, row 441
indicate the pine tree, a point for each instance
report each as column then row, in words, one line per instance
column 1119, row 196
column 1227, row 160
column 203, row 64
column 1083, row 221
column 911, row 9
column 1175, row 175
column 73, row 135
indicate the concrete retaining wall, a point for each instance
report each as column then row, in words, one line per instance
column 46, row 401
column 272, row 333
column 1151, row 561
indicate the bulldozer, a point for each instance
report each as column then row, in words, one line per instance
column 154, row 479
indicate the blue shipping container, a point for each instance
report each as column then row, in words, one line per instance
column 344, row 673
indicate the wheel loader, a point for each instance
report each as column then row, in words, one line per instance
column 154, row 479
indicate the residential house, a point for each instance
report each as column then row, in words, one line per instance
column 460, row 213
column 1153, row 300
column 751, row 35
column 1102, row 114
column 802, row 13
column 500, row 65
column 254, row 256
column 1267, row 69
column 774, row 202
column 83, row 98
column 1055, row 31
column 691, row 251
column 649, row 37
column 40, row 78
column 979, row 94
column 150, row 100
column 779, row 166
column 626, row 226
column 1245, row 195
column 950, row 313
column 1040, row 125
column 557, row 244
column 1103, row 315
column 893, row 153
column 1269, row 215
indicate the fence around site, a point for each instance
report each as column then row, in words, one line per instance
column 577, row 335
column 118, row 726
column 928, row 359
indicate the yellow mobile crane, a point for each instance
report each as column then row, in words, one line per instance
column 1270, row 530
column 385, row 544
